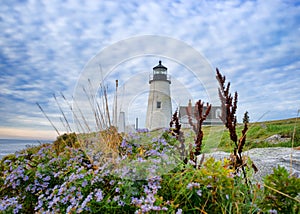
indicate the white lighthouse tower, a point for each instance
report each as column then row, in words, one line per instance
column 159, row 111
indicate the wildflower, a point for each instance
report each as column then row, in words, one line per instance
column 99, row 195
column 145, row 130
column 69, row 208
column 163, row 142
column 26, row 178
column 179, row 211
column 199, row 192
column 136, row 201
column 153, row 152
column 47, row 178
column 156, row 208
column 141, row 160
column 116, row 198
column 273, row 211
column 147, row 190
column 192, row 185
column 79, row 195
column 17, row 208
column 86, row 200
column 150, row 199
column 121, row 203
column 84, row 183
column 145, row 208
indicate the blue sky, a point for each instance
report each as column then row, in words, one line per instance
column 45, row 46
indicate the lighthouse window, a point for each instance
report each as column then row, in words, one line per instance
column 158, row 105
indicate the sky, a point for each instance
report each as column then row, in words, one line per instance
column 47, row 48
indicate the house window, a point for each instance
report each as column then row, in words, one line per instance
column 158, row 105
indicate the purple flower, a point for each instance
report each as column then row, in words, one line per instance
column 179, row 211
column 145, row 208
column 99, row 195
column 121, row 203
column 145, row 130
column 199, row 192
column 26, row 178
column 79, row 195
column 84, row 183
column 141, row 160
column 192, row 185
column 150, row 199
column 209, row 186
column 124, row 143
column 17, row 208
column 39, row 205
column 164, row 208
column 116, row 198
column 136, row 201
column 86, row 200
column 47, row 178
column 153, row 152
column 69, row 209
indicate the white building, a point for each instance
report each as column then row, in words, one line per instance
column 159, row 111
column 213, row 118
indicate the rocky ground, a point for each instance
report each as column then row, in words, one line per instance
column 267, row 158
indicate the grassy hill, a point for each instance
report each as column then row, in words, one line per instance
column 217, row 137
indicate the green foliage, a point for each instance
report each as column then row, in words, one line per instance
column 281, row 191
column 40, row 180
column 211, row 189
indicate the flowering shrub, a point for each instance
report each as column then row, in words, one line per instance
column 147, row 177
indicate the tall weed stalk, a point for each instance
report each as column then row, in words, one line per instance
column 105, row 139
column 228, row 117
column 200, row 117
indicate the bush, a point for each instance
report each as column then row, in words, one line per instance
column 281, row 191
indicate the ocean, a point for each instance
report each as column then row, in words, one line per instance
column 10, row 146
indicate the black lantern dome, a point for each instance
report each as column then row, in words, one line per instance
column 160, row 73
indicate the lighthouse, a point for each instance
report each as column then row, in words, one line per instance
column 159, row 111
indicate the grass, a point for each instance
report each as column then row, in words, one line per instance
column 217, row 138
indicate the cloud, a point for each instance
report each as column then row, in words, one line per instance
column 44, row 47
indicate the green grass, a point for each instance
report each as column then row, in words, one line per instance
column 217, row 137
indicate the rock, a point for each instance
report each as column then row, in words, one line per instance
column 277, row 139
column 264, row 126
column 267, row 158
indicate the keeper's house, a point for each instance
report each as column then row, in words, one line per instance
column 212, row 118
